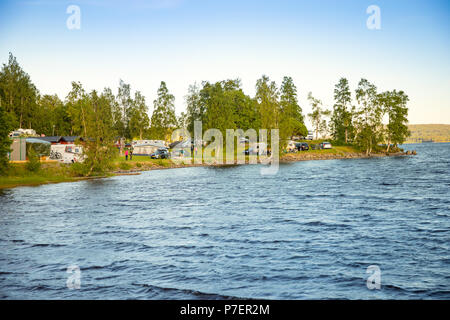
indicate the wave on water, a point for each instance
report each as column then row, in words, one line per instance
column 156, row 292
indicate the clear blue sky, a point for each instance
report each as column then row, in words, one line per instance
column 183, row 41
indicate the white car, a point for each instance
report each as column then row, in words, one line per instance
column 326, row 145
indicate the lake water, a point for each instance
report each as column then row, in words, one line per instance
column 309, row 232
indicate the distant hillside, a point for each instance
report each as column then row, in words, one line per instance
column 428, row 132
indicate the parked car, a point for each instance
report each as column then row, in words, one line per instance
column 325, row 145
column 302, row 146
column 161, row 153
column 310, row 136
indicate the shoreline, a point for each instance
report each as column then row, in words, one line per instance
column 137, row 170
column 39, row 183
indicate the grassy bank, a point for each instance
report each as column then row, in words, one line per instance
column 18, row 175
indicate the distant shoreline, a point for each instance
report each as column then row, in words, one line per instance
column 426, row 142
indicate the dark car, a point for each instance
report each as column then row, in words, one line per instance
column 302, row 146
column 161, row 153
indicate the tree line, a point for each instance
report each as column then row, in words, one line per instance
column 101, row 117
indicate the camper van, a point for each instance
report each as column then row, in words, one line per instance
column 72, row 153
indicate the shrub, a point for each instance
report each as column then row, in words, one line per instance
column 79, row 169
column 124, row 166
column 33, row 164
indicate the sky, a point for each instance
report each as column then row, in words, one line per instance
column 186, row 41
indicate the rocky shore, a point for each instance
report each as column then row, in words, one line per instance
column 306, row 156
column 290, row 157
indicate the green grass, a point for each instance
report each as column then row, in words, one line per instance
column 139, row 162
column 334, row 150
column 18, row 175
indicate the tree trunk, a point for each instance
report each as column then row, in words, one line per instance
column 84, row 122
column 346, row 135
column 21, row 111
column 317, row 130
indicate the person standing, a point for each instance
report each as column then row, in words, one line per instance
column 131, row 154
column 126, row 155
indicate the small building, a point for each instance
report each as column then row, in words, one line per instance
column 18, row 149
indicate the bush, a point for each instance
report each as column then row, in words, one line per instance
column 33, row 164
column 138, row 164
column 124, row 166
column 78, row 169
column 163, row 162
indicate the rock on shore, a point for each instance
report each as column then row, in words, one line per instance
column 304, row 156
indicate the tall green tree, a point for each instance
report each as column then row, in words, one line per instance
column 291, row 117
column 218, row 101
column 122, row 114
column 77, row 108
column 51, row 117
column 163, row 120
column 18, row 95
column 182, row 120
column 317, row 115
column 116, row 112
column 94, row 121
column 195, row 110
column 368, row 117
column 5, row 142
column 341, row 119
column 394, row 105
column 246, row 115
column 139, row 120
column 268, row 105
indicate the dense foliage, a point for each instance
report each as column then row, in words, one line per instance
column 5, row 142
